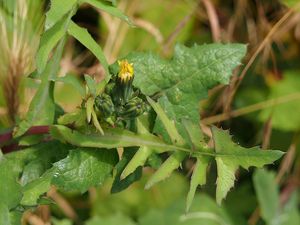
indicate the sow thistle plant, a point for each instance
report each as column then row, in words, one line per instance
column 146, row 105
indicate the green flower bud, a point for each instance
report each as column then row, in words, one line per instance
column 105, row 105
column 133, row 108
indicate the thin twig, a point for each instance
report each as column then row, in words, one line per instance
column 63, row 204
column 213, row 20
column 7, row 137
column 251, row 108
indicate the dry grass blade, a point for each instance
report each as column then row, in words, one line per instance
column 150, row 28
column 251, row 108
column 262, row 45
column 213, row 20
column 21, row 24
column 62, row 204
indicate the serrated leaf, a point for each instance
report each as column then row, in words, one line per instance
column 199, row 173
column 109, row 9
column 57, row 10
column 33, row 190
column 185, row 80
column 230, row 156
column 43, row 155
column 84, row 37
column 83, row 168
column 23, row 167
column 268, row 195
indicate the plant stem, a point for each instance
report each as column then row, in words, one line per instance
column 6, row 138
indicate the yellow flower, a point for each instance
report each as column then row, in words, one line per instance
column 126, row 71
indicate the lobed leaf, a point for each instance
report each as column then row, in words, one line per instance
column 185, row 80
column 84, row 168
column 112, row 138
column 230, row 156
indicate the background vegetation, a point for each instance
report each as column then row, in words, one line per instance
column 260, row 106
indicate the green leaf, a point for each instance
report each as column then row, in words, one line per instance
column 48, row 41
column 286, row 88
column 186, row 79
column 41, row 110
column 83, row 36
column 120, row 184
column 292, row 3
column 83, row 168
column 195, row 135
column 28, row 166
column 290, row 213
column 109, row 9
column 167, row 123
column 111, row 220
column 42, row 157
column 268, row 195
column 76, row 118
column 89, row 108
column 96, row 122
column 166, row 169
column 74, row 81
column 4, row 214
column 112, row 138
column 230, row 156
column 10, row 189
column 15, row 217
column 33, row 190
column 91, row 84
column 42, row 107
column 142, row 154
column 174, row 161
column 198, row 178
column 139, row 159
column 61, row 222
column 57, row 10
column 203, row 211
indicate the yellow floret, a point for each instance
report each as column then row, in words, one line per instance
column 126, row 70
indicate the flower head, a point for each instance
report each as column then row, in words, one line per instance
column 125, row 71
